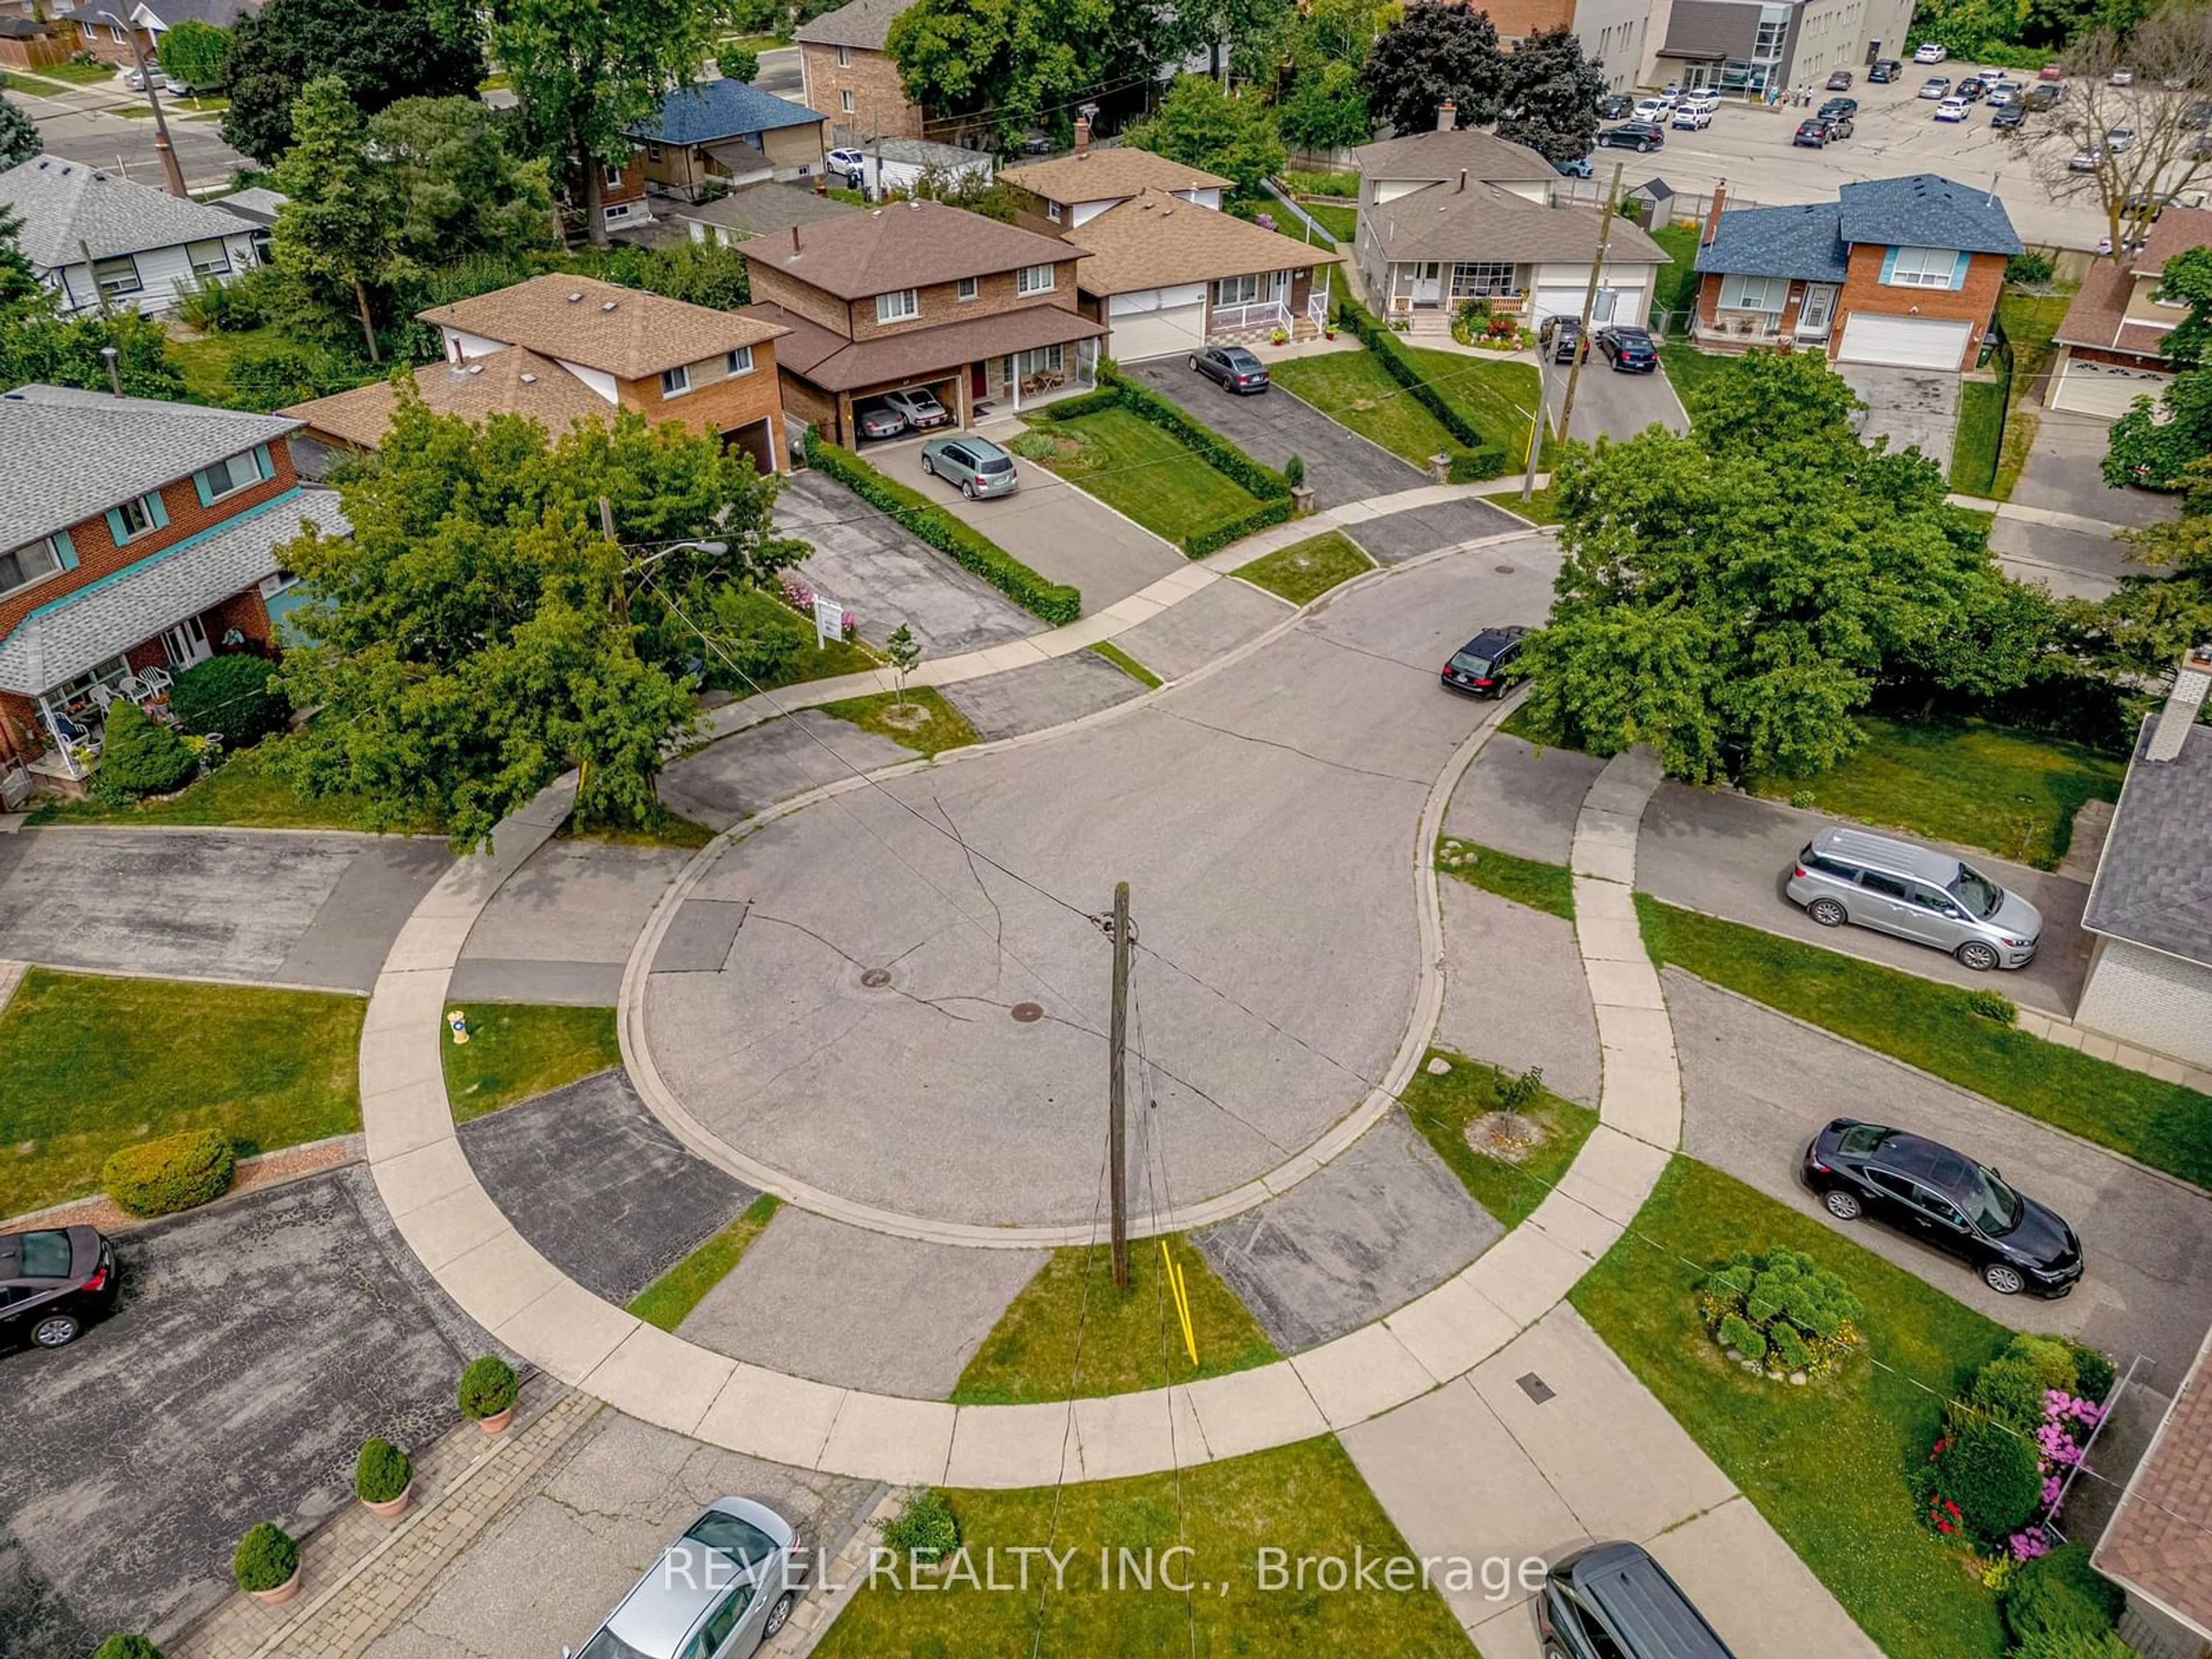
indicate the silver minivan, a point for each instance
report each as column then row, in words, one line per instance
column 1915, row 892
column 719, row 1592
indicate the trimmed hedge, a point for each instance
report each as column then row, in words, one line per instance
column 1213, row 540
column 171, row 1173
column 1474, row 465
column 2059, row 1594
column 1481, row 458
column 140, row 757
column 229, row 694
column 1209, row 445
column 1055, row 602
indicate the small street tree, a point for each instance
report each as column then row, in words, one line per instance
column 1326, row 110
column 1436, row 53
column 905, row 652
column 1201, row 126
column 20, row 141
column 197, row 53
column 1550, row 98
column 339, row 228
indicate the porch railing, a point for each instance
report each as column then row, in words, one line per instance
column 1256, row 314
column 1740, row 327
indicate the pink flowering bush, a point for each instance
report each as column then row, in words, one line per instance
column 2009, row 1444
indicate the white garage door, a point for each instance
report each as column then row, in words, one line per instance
column 2104, row 390
column 1153, row 323
column 1559, row 302
column 1905, row 342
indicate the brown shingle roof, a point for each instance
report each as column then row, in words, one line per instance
column 836, row 364
column 1106, row 174
column 2098, row 318
column 1437, row 155
column 623, row 332
column 907, row 245
column 1157, row 241
column 510, row 382
column 1483, row 222
column 2158, row 1542
column 863, row 23
column 2178, row 230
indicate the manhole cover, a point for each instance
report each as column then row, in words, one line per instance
column 876, row 978
column 1027, row 1013
column 1534, row 1387
column 1505, row 570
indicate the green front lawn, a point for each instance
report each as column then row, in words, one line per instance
column 1304, row 571
column 668, row 1300
column 80, row 75
column 89, row 1065
column 1128, row 664
column 1964, row 780
column 1546, row 887
column 518, row 1050
column 1935, row 1027
column 920, row 719
column 1541, row 507
column 1974, row 445
column 1689, row 369
column 1306, row 1500
column 1130, row 1339
column 1676, row 288
column 1353, row 390
column 1499, row 396
column 250, row 787
column 1442, row 1108
column 1827, row 1465
column 1137, row 468
column 1337, row 220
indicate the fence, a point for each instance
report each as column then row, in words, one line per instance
column 1683, row 204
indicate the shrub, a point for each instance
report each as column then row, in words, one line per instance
column 925, row 1528
column 763, row 638
column 2073, row 1645
column 140, row 757
column 2029, row 270
column 1988, row 1470
column 229, row 694
column 1294, row 472
column 488, row 1387
column 170, row 1173
column 2011, row 1387
column 2060, row 1593
column 1738, row 1332
column 382, row 1472
column 2094, row 1372
column 217, row 307
column 1801, row 1313
column 1054, row 602
column 1994, row 1005
column 266, row 1556
column 120, row 1646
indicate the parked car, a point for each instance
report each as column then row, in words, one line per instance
column 979, row 466
column 1559, row 337
column 2051, row 72
column 1478, row 668
column 1885, row 70
column 920, row 407
column 1811, row 134
column 1575, row 167
column 1836, row 107
column 1614, row 1601
column 2120, row 140
column 1972, row 90
column 878, row 420
column 2003, row 95
column 1840, row 126
column 1926, row 1190
column 849, row 163
column 1692, row 118
column 1654, row 109
column 1641, row 136
column 1935, row 86
column 53, row 1282
column 1708, row 101
column 721, row 1591
column 2121, row 77
column 1953, row 109
column 1840, row 81
column 1232, row 368
column 1615, row 106
column 2012, row 115
column 2087, row 159
column 2044, row 95
column 1928, row 52
column 1630, row 350
column 1854, row 876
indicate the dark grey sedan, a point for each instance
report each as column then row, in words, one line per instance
column 1232, row 368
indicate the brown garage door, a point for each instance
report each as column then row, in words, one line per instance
column 753, row 441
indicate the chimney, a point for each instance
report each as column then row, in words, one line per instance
column 1447, row 116
column 2182, row 704
column 794, row 239
column 1462, row 182
column 1713, row 213
column 1082, row 137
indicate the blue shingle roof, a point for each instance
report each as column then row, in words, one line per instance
column 1925, row 210
column 714, row 110
column 1801, row 242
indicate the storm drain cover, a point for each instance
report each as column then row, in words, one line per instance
column 1027, row 1013
column 1505, row 569
column 876, row 978
column 1534, row 1387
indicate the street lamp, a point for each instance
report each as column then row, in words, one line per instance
column 162, row 147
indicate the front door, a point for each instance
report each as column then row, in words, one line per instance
column 977, row 385
column 1814, row 316
column 1428, row 284
column 186, row 644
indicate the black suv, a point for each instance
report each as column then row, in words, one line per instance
column 1885, row 71
column 1642, row 137
column 1478, row 668
column 1614, row 1601
column 1615, row 106
column 52, row 1281
column 1630, row 350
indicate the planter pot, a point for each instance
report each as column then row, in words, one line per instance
column 391, row 1509
column 1302, row 501
column 283, row 1592
column 497, row 1422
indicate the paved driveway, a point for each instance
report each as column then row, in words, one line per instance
column 1340, row 464
column 1049, row 524
column 1755, row 1085
column 1908, row 406
column 2061, row 477
column 1614, row 405
column 1729, row 854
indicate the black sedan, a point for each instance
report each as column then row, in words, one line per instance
column 54, row 1281
column 2012, row 115
column 1559, row 337
column 1642, row 137
column 1840, row 81
column 1927, row 1191
column 1478, row 668
column 1630, row 350
column 1836, row 107
column 1232, row 368
column 1811, row 133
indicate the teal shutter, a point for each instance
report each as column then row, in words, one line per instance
column 158, row 508
column 117, row 532
column 1888, row 263
column 200, row 484
column 1958, row 270
column 267, row 468
column 66, row 548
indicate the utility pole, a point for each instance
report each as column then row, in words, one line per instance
column 1117, row 1103
column 622, row 579
column 174, row 173
column 1589, row 298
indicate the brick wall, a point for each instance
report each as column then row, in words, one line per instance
column 1514, row 18
column 811, row 404
column 245, row 612
column 995, row 294
column 772, row 286
column 1864, row 290
column 879, row 104
column 717, row 402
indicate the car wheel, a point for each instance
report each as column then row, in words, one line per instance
column 779, row 1615
column 1194, row 364
column 1644, row 148
column 1828, row 912
column 968, row 488
column 2003, row 1280
column 1845, row 1207
column 928, row 465
column 1978, row 956
column 56, row 1330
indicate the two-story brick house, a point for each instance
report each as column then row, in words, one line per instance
column 561, row 349
column 1902, row 272
column 846, row 75
column 135, row 535
column 2112, row 347
column 919, row 294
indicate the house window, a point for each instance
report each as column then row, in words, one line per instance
column 1237, row 290
column 210, row 258
column 845, row 103
column 1045, row 359
column 1739, row 293
column 117, row 276
column 616, row 214
column 965, row 290
column 1921, row 267
column 1052, row 211
column 653, row 152
column 899, row 306
column 115, row 34
column 1483, row 279
column 69, row 691
column 740, row 361
column 845, row 61
column 132, row 519
column 26, row 565
column 226, row 477
column 675, row 382
column 611, row 177
column 1033, row 279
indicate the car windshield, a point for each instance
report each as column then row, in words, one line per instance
column 608, row 1645
column 1977, row 892
column 1995, row 1206
column 736, row 1537
column 1863, row 1139
column 1467, row 663
column 44, row 1255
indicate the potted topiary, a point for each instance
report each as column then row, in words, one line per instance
column 122, row 1645
column 384, row 1480
column 488, row 1390
column 267, row 1564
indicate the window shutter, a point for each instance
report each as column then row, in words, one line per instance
column 262, row 464
column 1958, row 270
column 200, row 484
column 66, row 549
column 1888, row 263
column 158, row 509
column 117, row 531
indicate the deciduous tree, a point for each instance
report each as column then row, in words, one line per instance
column 339, row 228
column 1550, row 98
column 1201, row 126
column 197, row 53
column 1326, row 110
column 1436, row 53
column 997, row 68
column 461, row 187
column 382, row 50
column 2155, row 442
